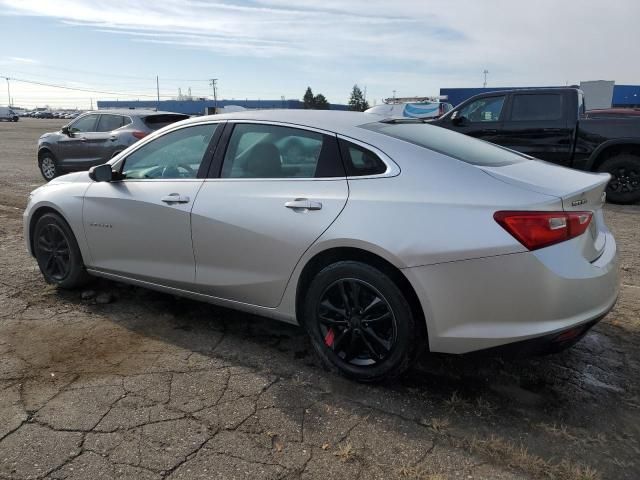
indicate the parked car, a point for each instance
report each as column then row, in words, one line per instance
column 95, row 137
column 613, row 112
column 6, row 114
column 550, row 124
column 424, row 109
column 43, row 114
column 381, row 238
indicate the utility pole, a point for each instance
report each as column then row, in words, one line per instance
column 8, row 90
column 158, row 92
column 91, row 99
column 485, row 72
column 213, row 84
column 394, row 95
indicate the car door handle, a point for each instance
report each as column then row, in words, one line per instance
column 490, row 130
column 113, row 138
column 551, row 129
column 175, row 198
column 303, row 204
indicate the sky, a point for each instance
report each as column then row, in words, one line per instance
column 266, row 49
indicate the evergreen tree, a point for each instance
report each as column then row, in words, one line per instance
column 357, row 101
column 308, row 99
column 320, row 102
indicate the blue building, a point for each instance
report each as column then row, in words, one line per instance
column 199, row 107
column 623, row 95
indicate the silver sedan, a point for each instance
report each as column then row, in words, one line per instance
column 380, row 237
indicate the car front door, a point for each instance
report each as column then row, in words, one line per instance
column 103, row 143
column 140, row 226
column 481, row 118
column 278, row 190
column 536, row 124
column 71, row 148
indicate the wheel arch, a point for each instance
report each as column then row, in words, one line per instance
column 37, row 214
column 332, row 255
column 45, row 149
column 611, row 149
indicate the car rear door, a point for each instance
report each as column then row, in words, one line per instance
column 103, row 142
column 537, row 124
column 140, row 227
column 274, row 191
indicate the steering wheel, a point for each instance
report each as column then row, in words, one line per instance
column 173, row 171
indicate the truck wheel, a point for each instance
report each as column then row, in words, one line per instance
column 624, row 186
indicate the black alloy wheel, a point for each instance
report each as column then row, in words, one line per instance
column 356, row 322
column 53, row 252
column 624, row 186
column 57, row 252
column 360, row 322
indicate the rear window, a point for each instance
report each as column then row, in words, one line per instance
column 453, row 144
column 359, row 161
column 535, row 108
column 156, row 122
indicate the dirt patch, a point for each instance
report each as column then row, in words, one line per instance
column 150, row 386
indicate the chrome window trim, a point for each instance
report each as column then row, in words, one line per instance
column 393, row 169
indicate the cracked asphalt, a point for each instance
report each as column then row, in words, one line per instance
column 150, row 386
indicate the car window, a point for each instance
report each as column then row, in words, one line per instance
column 537, row 107
column 483, row 109
column 84, row 124
column 360, row 161
column 108, row 123
column 270, row 151
column 177, row 154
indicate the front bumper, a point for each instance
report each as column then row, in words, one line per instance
column 489, row 302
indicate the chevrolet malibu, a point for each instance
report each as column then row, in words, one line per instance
column 381, row 237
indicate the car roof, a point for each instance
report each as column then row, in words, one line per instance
column 331, row 120
column 135, row 112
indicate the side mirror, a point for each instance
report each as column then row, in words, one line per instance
column 66, row 131
column 458, row 119
column 101, row 173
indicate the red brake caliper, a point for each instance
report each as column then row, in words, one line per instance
column 329, row 337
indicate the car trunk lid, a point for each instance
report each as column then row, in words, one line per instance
column 578, row 191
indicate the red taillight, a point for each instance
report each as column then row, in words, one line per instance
column 138, row 134
column 541, row 229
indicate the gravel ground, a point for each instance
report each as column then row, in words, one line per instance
column 149, row 386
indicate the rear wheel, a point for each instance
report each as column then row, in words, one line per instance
column 57, row 252
column 624, row 186
column 359, row 322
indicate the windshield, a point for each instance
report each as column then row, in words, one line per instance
column 452, row 144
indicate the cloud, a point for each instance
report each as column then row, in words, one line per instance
column 414, row 46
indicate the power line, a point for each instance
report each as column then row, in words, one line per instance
column 78, row 89
column 115, row 75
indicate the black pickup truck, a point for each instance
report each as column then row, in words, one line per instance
column 550, row 124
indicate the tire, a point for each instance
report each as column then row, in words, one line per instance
column 624, row 187
column 57, row 252
column 344, row 343
column 48, row 166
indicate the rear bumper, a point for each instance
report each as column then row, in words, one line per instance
column 489, row 302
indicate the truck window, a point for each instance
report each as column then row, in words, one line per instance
column 483, row 109
column 537, row 107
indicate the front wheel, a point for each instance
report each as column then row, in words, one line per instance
column 624, row 186
column 48, row 166
column 359, row 322
column 57, row 252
